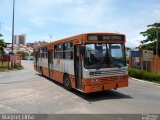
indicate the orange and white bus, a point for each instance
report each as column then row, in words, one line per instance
column 89, row 62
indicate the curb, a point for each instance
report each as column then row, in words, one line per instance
column 146, row 82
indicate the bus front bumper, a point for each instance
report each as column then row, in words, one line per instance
column 105, row 86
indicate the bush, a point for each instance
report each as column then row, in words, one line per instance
column 15, row 67
column 142, row 74
column 2, row 68
column 23, row 54
column 18, row 66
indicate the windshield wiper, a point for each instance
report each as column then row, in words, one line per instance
column 98, row 65
column 117, row 65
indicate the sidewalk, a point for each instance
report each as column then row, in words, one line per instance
column 144, row 81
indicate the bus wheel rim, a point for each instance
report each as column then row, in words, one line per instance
column 67, row 82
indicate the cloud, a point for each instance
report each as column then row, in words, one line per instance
column 7, row 28
column 22, row 30
column 156, row 14
column 37, row 20
column 78, row 12
column 64, row 18
column 88, row 14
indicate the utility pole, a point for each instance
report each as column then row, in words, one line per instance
column 50, row 36
column 157, row 49
column 13, row 25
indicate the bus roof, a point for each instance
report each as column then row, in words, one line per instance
column 72, row 38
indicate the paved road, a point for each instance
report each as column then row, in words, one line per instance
column 25, row 91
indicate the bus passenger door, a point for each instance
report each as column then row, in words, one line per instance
column 50, row 63
column 78, row 66
column 36, row 60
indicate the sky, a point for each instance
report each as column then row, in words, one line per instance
column 64, row 18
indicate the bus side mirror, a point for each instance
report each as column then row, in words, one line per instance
column 82, row 50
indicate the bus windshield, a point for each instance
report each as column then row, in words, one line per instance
column 104, row 56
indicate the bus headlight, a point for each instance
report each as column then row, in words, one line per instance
column 122, row 77
column 95, row 80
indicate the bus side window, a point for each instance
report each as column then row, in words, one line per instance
column 68, row 50
column 55, row 47
column 58, row 51
column 46, row 52
column 41, row 52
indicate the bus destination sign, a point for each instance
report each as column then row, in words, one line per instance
column 106, row 37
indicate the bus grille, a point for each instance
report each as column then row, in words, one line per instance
column 108, row 72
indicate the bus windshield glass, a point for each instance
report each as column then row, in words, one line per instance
column 104, row 56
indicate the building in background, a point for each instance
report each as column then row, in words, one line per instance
column 20, row 44
column 30, row 45
column 39, row 43
column 20, row 39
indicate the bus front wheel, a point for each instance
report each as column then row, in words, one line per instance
column 67, row 82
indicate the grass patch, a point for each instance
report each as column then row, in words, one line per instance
column 3, row 63
column 18, row 66
column 144, row 75
column 4, row 67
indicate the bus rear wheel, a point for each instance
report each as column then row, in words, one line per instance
column 67, row 82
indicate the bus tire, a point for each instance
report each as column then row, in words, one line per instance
column 67, row 82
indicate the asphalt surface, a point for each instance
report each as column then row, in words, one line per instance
column 25, row 91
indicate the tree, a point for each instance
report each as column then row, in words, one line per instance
column 23, row 54
column 128, row 48
column 2, row 44
column 32, row 54
column 151, row 34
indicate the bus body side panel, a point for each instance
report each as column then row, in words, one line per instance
column 38, row 65
column 58, row 76
column 38, row 69
column 36, row 60
column 69, row 69
column 45, row 71
column 43, row 63
column 60, row 67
